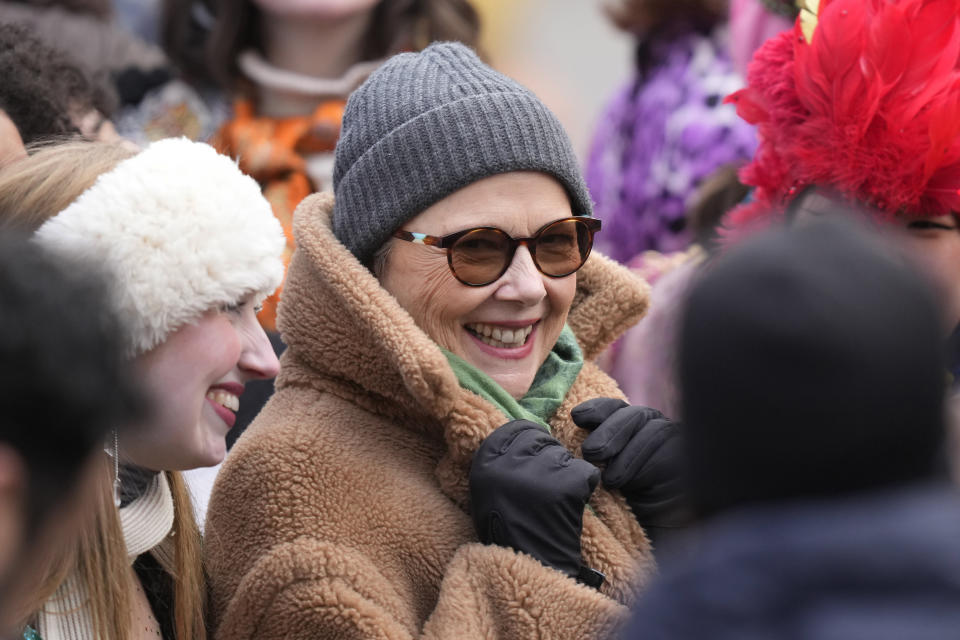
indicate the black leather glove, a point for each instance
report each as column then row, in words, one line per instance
column 527, row 492
column 641, row 451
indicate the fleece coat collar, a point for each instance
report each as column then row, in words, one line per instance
column 385, row 362
column 349, row 337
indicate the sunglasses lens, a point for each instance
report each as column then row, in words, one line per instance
column 479, row 256
column 563, row 247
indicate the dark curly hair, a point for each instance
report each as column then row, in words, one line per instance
column 41, row 89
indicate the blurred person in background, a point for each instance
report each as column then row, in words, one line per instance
column 661, row 166
column 859, row 104
column 753, row 22
column 190, row 248
column 46, row 95
column 83, row 31
column 423, row 470
column 143, row 18
column 841, row 119
column 149, row 98
column 288, row 68
column 828, row 510
column 56, row 418
column 667, row 129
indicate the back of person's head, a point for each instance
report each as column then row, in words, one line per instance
column 63, row 387
column 63, row 382
column 810, row 366
column 43, row 92
column 40, row 186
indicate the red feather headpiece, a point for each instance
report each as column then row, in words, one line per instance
column 867, row 102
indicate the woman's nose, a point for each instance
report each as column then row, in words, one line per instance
column 257, row 359
column 522, row 282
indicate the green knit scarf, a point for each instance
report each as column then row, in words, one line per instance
column 549, row 388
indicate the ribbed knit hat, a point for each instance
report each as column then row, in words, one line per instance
column 180, row 230
column 427, row 124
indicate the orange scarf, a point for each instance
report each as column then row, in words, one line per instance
column 272, row 151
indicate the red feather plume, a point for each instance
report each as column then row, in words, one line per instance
column 870, row 106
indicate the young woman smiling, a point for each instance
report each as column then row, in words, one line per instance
column 190, row 248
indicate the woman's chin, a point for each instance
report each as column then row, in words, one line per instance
column 516, row 385
column 513, row 369
column 212, row 455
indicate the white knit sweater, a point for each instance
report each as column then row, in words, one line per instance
column 145, row 522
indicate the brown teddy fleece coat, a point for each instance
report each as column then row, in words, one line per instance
column 342, row 512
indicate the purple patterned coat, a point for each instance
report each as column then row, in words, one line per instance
column 660, row 136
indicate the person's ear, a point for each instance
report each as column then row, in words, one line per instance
column 11, row 144
column 13, row 483
column 12, row 472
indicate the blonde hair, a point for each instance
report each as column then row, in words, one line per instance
column 40, row 186
column 32, row 191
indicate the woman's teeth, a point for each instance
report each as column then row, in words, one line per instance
column 224, row 398
column 501, row 337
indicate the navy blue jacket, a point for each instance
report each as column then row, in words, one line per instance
column 883, row 566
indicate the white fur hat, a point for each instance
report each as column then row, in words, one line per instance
column 180, row 230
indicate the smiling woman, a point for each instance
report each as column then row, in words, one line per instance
column 198, row 374
column 187, row 266
column 418, row 472
column 509, row 326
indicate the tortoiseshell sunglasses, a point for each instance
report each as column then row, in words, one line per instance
column 480, row 256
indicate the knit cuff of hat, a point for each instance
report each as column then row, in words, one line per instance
column 179, row 230
column 443, row 150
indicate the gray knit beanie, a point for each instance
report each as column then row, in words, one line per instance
column 427, row 124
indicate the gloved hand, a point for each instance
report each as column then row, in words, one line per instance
column 527, row 492
column 641, row 451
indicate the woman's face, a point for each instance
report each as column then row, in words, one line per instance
column 195, row 379
column 507, row 328
column 934, row 243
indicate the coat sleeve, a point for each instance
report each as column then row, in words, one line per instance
column 310, row 589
